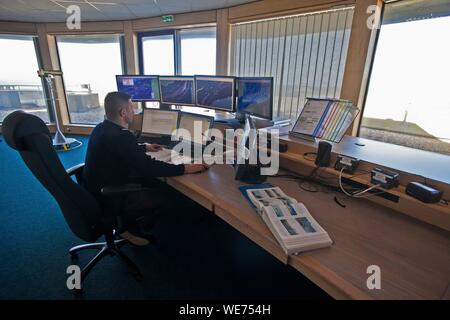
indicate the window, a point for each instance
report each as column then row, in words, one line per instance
column 407, row 96
column 177, row 52
column 20, row 86
column 305, row 54
column 180, row 52
column 89, row 65
column 198, row 51
column 158, row 56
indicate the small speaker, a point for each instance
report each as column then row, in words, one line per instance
column 423, row 192
column 323, row 157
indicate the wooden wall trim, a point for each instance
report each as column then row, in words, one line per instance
column 84, row 130
column 131, row 50
column 87, row 27
column 357, row 54
column 273, row 8
column 50, row 61
column 222, row 42
column 9, row 27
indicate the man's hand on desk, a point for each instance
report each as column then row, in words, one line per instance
column 194, row 168
column 152, row 147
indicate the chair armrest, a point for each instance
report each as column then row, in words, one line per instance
column 122, row 189
column 76, row 170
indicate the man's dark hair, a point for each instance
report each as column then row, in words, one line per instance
column 114, row 102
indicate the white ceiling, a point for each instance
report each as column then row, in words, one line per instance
column 103, row 10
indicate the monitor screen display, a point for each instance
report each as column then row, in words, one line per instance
column 161, row 122
column 177, row 90
column 140, row 88
column 255, row 97
column 215, row 92
column 197, row 126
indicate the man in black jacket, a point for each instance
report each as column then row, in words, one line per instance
column 114, row 156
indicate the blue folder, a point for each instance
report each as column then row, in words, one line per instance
column 244, row 189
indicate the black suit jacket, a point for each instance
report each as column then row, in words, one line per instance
column 114, row 155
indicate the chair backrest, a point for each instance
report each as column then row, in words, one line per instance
column 30, row 136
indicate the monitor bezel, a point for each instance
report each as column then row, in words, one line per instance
column 271, row 94
column 159, row 110
column 178, row 77
column 233, row 98
column 141, row 76
column 211, row 124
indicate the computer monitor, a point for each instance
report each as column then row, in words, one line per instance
column 255, row 96
column 160, row 122
column 247, row 145
column 188, row 121
column 248, row 172
column 140, row 88
column 177, row 90
column 215, row 92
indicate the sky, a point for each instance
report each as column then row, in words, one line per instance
column 411, row 73
column 198, row 55
column 18, row 63
column 96, row 64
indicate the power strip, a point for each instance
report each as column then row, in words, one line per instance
column 386, row 178
column 348, row 164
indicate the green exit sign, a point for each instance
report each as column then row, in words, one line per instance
column 167, row 18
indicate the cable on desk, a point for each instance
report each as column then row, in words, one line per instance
column 313, row 188
column 355, row 195
column 339, row 202
column 306, row 154
column 313, row 172
column 349, row 191
column 302, row 178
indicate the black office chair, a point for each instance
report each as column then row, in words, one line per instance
column 30, row 136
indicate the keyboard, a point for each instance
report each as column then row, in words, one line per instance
column 161, row 155
column 170, row 156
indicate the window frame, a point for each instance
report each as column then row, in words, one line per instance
column 365, row 86
column 156, row 33
column 122, row 61
column 176, row 50
column 176, row 43
column 369, row 65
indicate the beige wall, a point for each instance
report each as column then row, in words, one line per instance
column 222, row 18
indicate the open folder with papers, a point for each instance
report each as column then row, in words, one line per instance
column 289, row 220
column 325, row 119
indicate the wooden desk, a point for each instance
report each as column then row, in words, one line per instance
column 414, row 257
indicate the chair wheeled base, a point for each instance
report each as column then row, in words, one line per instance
column 109, row 247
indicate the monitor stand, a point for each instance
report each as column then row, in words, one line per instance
column 236, row 122
column 165, row 106
column 239, row 120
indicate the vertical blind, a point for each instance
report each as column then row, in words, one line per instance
column 305, row 54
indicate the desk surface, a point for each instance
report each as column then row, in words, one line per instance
column 413, row 161
column 414, row 257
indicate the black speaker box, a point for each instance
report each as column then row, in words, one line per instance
column 323, row 157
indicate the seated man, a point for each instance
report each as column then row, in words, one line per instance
column 114, row 155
